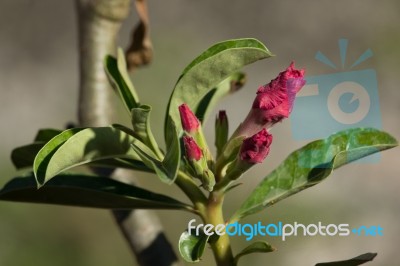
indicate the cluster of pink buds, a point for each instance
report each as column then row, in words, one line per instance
column 196, row 150
column 250, row 143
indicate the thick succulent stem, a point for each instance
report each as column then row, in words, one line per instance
column 221, row 247
column 99, row 23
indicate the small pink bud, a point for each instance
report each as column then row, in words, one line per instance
column 190, row 123
column 193, row 151
column 255, row 148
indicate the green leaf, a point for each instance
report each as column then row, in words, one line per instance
column 227, row 86
column 121, row 163
column 81, row 146
column 150, row 160
column 229, row 153
column 24, row 156
column 120, row 80
column 166, row 170
column 207, row 71
column 172, row 158
column 256, row 247
column 87, row 191
column 46, row 134
column 141, row 126
column 352, row 262
column 191, row 247
column 311, row 164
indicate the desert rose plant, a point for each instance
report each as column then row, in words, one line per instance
column 205, row 178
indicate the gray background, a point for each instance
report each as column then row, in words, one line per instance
column 38, row 88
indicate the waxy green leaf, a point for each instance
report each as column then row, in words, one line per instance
column 311, row 164
column 118, row 76
column 46, row 134
column 87, row 191
column 81, row 146
column 191, row 247
column 167, row 169
column 351, row 262
column 207, row 71
column 141, row 126
column 230, row 85
column 256, row 247
column 24, row 156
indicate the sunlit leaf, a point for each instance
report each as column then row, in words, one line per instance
column 311, row 164
column 141, row 126
column 209, row 69
column 230, row 85
column 167, row 169
column 81, row 146
column 120, row 80
column 191, row 247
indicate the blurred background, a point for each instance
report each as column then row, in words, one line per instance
column 38, row 88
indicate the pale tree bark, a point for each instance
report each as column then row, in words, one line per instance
column 99, row 23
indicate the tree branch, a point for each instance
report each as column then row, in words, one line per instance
column 99, row 23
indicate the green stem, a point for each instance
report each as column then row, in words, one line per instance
column 210, row 210
column 192, row 191
column 228, row 179
column 221, row 248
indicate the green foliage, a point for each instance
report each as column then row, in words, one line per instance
column 205, row 72
column 256, row 247
column 192, row 246
column 351, row 262
column 167, row 169
column 141, row 127
column 230, row 85
column 79, row 146
column 87, row 191
column 119, row 78
column 211, row 76
column 311, row 164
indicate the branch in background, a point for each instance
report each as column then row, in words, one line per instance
column 140, row 52
column 99, row 23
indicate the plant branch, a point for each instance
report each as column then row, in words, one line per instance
column 221, row 247
column 99, row 23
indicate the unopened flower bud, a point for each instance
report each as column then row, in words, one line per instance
column 274, row 101
column 192, row 127
column 252, row 151
column 198, row 163
column 255, row 148
column 192, row 150
column 190, row 123
column 221, row 131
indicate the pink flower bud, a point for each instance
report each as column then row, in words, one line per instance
column 277, row 97
column 190, row 123
column 274, row 101
column 193, row 151
column 255, row 148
